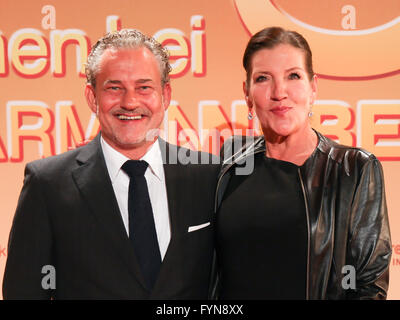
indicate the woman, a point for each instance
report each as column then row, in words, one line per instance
column 310, row 220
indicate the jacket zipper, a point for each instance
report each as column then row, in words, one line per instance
column 308, row 234
column 307, row 216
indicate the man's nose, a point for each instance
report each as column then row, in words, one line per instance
column 130, row 99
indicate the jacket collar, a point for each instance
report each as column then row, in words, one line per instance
column 252, row 145
column 94, row 183
column 233, row 154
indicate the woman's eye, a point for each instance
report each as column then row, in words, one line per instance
column 294, row 75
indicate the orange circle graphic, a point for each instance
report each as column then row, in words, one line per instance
column 359, row 54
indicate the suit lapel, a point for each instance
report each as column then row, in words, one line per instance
column 94, row 183
column 172, row 263
column 172, row 177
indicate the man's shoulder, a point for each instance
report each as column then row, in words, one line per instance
column 47, row 163
column 60, row 162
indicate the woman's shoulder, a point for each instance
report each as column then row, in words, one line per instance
column 236, row 146
column 242, row 142
column 344, row 153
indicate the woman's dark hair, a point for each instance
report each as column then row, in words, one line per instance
column 269, row 38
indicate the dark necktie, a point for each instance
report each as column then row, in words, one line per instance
column 142, row 231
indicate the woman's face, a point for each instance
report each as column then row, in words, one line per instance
column 280, row 90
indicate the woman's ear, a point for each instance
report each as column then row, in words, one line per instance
column 246, row 95
column 313, row 89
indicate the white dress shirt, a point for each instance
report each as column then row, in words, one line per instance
column 155, row 182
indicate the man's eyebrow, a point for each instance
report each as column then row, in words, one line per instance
column 144, row 80
column 112, row 82
column 120, row 82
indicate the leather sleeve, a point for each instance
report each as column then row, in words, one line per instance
column 369, row 247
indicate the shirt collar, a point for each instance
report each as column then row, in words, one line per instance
column 115, row 160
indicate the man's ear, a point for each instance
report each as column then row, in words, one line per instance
column 166, row 95
column 246, row 95
column 91, row 98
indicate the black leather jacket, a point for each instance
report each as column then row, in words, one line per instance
column 346, row 215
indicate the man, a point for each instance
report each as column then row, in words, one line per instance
column 77, row 212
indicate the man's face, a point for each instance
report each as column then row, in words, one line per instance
column 129, row 99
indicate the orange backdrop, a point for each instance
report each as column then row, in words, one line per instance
column 355, row 44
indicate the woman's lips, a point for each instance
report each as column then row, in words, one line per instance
column 280, row 110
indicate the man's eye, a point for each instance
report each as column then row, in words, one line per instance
column 145, row 88
column 294, row 76
column 113, row 88
column 261, row 78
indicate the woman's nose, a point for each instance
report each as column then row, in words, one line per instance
column 278, row 91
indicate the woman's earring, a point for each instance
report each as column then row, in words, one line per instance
column 310, row 114
column 250, row 116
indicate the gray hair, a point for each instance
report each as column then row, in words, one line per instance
column 123, row 39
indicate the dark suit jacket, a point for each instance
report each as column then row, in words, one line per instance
column 68, row 217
